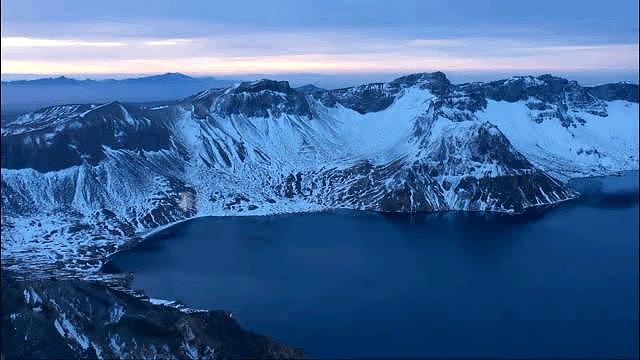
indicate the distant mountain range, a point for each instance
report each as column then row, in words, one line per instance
column 27, row 95
column 310, row 88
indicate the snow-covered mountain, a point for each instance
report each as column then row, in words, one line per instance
column 78, row 181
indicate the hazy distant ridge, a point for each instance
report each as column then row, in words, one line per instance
column 27, row 95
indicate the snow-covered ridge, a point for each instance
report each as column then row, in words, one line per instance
column 80, row 181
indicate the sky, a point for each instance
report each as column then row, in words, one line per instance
column 346, row 38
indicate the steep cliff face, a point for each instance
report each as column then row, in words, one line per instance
column 78, row 319
column 79, row 181
column 63, row 136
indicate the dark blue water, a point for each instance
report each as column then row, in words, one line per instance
column 559, row 282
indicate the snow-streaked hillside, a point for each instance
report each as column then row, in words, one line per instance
column 80, row 181
column 598, row 146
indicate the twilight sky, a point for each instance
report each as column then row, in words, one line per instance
column 348, row 37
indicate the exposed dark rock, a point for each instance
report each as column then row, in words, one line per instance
column 363, row 99
column 513, row 192
column 80, row 319
column 619, row 91
column 262, row 99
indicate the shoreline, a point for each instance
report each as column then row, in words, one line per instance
column 320, row 209
column 144, row 236
column 139, row 237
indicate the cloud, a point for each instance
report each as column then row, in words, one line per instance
column 575, row 48
column 330, row 51
column 167, row 42
column 433, row 42
column 323, row 63
column 26, row 42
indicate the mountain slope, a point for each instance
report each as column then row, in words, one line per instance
column 80, row 181
column 67, row 319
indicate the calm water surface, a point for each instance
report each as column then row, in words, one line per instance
column 559, row 282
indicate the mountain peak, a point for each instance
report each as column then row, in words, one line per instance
column 170, row 76
column 59, row 80
column 437, row 78
column 174, row 75
column 264, row 84
column 309, row 88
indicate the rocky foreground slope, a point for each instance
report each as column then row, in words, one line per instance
column 66, row 319
column 80, row 182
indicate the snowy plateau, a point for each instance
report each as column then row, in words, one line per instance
column 80, row 182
